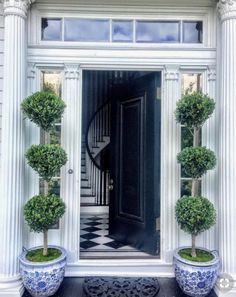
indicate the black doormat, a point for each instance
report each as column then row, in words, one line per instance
column 121, row 287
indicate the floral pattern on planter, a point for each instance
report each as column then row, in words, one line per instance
column 196, row 279
column 43, row 279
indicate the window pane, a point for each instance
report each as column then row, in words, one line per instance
column 186, row 187
column 186, row 138
column 192, row 32
column 86, row 30
column 153, row 31
column 191, row 82
column 51, row 82
column 122, row 31
column 51, row 29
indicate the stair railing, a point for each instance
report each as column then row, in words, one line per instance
column 97, row 132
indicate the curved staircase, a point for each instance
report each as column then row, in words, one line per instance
column 94, row 178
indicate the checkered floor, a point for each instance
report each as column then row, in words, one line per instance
column 95, row 242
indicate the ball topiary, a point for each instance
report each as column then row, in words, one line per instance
column 194, row 109
column 46, row 159
column 44, row 109
column 43, row 211
column 195, row 214
column 196, row 161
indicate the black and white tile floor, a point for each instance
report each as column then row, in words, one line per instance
column 95, row 242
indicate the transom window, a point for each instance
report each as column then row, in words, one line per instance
column 129, row 31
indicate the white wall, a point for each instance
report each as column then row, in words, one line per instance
column 1, row 68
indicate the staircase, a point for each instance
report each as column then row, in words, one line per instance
column 94, row 179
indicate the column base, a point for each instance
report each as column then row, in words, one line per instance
column 11, row 287
column 222, row 293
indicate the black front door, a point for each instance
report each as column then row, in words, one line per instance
column 135, row 168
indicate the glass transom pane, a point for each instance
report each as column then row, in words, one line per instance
column 191, row 82
column 192, row 32
column 157, row 31
column 87, row 30
column 122, row 31
column 51, row 29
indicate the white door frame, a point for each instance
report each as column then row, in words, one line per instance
column 68, row 235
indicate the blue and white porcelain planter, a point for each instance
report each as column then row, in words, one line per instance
column 196, row 279
column 43, row 278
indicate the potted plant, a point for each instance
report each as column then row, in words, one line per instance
column 42, row 268
column 196, row 269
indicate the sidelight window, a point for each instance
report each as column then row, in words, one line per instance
column 51, row 81
column 190, row 82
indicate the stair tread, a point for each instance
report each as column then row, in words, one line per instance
column 86, row 195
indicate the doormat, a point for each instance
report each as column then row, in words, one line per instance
column 121, row 287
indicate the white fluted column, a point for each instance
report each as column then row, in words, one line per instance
column 70, row 176
column 227, row 138
column 12, row 171
column 209, row 139
column 169, row 168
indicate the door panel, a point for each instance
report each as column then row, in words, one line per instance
column 135, row 169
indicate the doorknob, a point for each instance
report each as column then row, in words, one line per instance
column 110, row 186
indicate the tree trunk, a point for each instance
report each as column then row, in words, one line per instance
column 45, row 242
column 46, row 190
column 195, row 187
column 196, row 137
column 193, row 253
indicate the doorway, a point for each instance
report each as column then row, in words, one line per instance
column 120, row 164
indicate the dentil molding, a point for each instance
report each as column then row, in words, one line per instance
column 227, row 9
column 16, row 7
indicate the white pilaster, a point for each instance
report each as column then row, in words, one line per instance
column 70, row 175
column 227, row 138
column 209, row 181
column 170, row 170
column 12, row 171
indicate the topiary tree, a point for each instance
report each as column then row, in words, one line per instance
column 195, row 214
column 42, row 211
column 44, row 109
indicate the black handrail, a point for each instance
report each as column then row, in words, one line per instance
column 87, row 134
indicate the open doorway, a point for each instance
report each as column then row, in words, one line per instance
column 120, row 164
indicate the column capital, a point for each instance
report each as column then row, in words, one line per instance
column 31, row 71
column 72, row 71
column 227, row 9
column 16, row 7
column 172, row 72
column 211, row 73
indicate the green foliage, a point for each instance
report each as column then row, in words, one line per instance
column 44, row 109
column 43, row 211
column 194, row 109
column 196, row 161
column 195, row 214
column 46, row 159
